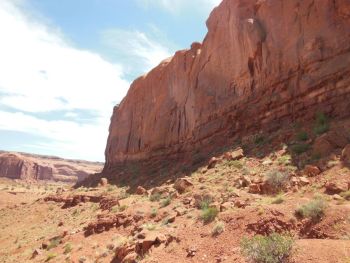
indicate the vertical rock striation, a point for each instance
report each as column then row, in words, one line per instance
column 263, row 64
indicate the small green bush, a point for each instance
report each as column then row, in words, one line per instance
column 277, row 180
column 218, row 228
column 322, row 124
column 300, row 148
column 54, row 242
column 236, row 164
column 50, row 256
column 259, row 140
column 155, row 197
column 302, row 136
column 314, row 210
column 275, row 248
column 154, row 212
column 67, row 248
column 209, row 214
column 278, row 200
column 165, row 202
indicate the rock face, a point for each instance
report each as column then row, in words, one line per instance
column 35, row 167
column 263, row 64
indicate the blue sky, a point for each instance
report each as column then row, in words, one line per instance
column 65, row 64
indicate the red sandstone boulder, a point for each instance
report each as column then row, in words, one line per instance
column 212, row 162
column 182, row 185
column 235, row 155
column 311, row 170
column 141, row 191
column 345, row 156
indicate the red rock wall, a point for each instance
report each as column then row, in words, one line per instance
column 262, row 65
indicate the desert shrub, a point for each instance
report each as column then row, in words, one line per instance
column 205, row 202
column 277, row 180
column 236, row 164
column 302, row 136
column 259, row 140
column 165, row 202
column 284, row 160
column 300, row 148
column 278, row 200
column 218, row 228
column 50, row 257
column 275, row 248
column 68, row 248
column 209, row 214
column 154, row 212
column 155, row 197
column 322, row 124
column 314, row 210
column 54, row 242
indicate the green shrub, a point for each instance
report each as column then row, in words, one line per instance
column 302, row 136
column 284, row 160
column 259, row 140
column 205, row 203
column 314, row 210
column 277, row 180
column 209, row 214
column 54, row 242
column 275, row 248
column 322, row 124
column 300, row 148
column 165, row 202
column 278, row 200
column 50, row 256
column 155, row 197
column 67, row 248
column 154, row 212
column 218, row 228
column 236, row 164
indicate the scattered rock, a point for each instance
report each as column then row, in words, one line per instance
column 141, row 191
column 130, row 258
column 345, row 156
column 337, row 197
column 182, row 185
column 103, row 182
column 254, row 188
column 303, row 181
column 311, row 170
column 335, row 188
column 36, row 253
column 212, row 162
column 191, row 252
column 235, row 155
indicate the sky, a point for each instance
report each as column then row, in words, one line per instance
column 64, row 64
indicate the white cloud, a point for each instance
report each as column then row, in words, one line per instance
column 139, row 49
column 42, row 73
column 175, row 6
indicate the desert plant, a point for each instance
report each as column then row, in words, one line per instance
column 50, row 256
column 209, row 214
column 275, row 248
column 278, row 200
column 218, row 228
column 165, row 202
column 322, row 124
column 154, row 212
column 155, row 197
column 300, row 148
column 314, row 210
column 259, row 140
column 302, row 136
column 236, row 164
column 277, row 180
column 284, row 160
column 67, row 248
column 54, row 242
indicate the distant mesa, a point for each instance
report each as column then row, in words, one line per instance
column 31, row 167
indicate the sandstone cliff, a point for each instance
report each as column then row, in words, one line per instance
column 263, row 64
column 35, row 167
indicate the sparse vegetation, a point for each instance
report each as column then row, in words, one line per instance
column 275, row 248
column 284, row 160
column 259, row 140
column 50, row 256
column 155, row 197
column 236, row 164
column 154, row 212
column 277, row 180
column 218, row 228
column 165, row 202
column 314, row 210
column 278, row 200
column 302, row 136
column 54, row 242
column 67, row 248
column 209, row 214
column 322, row 124
column 300, row 148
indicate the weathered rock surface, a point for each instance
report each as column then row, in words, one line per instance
column 263, row 64
column 36, row 167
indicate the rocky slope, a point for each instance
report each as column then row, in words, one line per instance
column 263, row 65
column 35, row 167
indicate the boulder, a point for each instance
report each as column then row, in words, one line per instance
column 336, row 187
column 140, row 190
column 255, row 188
column 103, row 182
column 212, row 162
column 311, row 170
column 345, row 156
column 182, row 185
column 235, row 155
